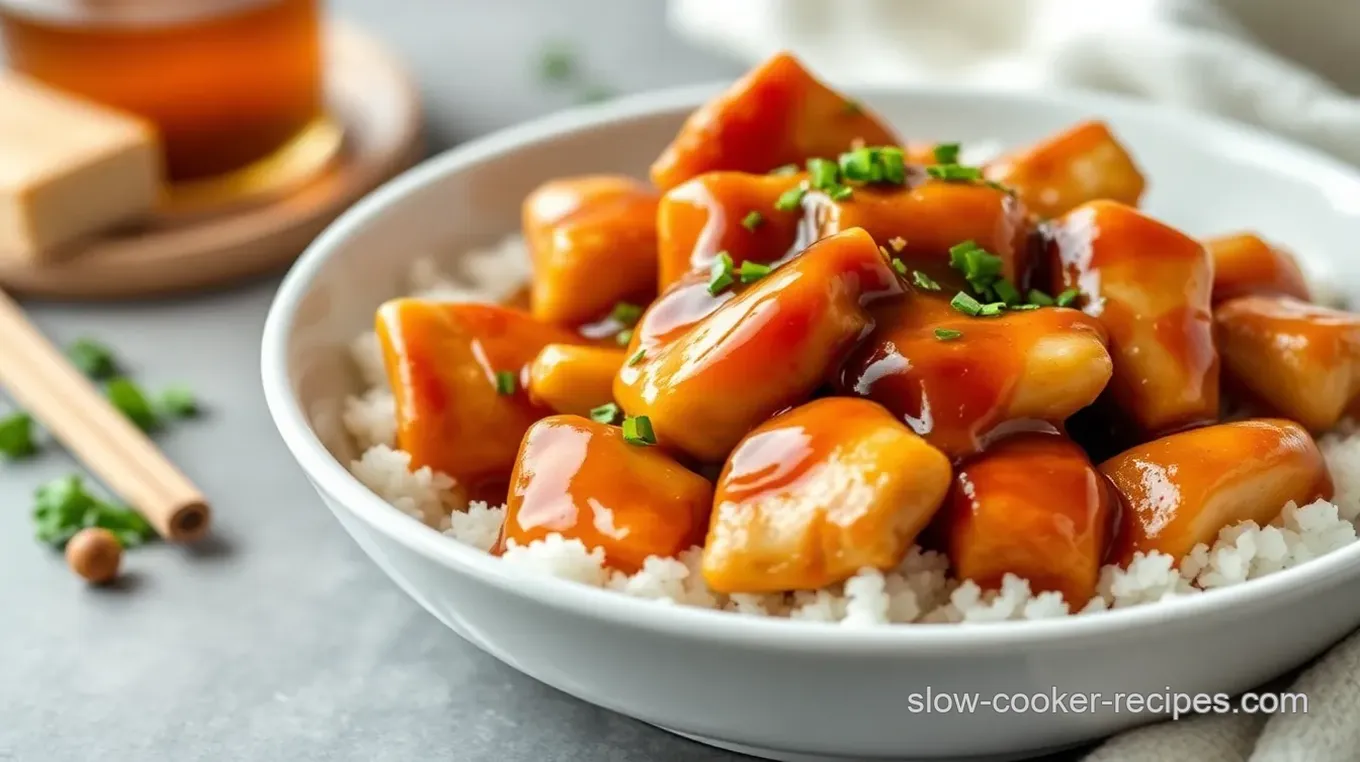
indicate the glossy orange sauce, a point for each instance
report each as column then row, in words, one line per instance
column 1244, row 264
column 582, row 479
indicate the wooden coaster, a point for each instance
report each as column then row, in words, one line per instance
column 377, row 109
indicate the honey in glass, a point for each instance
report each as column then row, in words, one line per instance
column 230, row 84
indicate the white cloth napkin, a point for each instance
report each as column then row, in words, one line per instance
column 1286, row 66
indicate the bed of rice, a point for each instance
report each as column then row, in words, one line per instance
column 918, row 590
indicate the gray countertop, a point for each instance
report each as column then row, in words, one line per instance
column 278, row 639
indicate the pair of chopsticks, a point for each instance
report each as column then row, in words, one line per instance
column 59, row 397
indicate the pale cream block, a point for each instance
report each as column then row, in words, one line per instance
column 68, row 169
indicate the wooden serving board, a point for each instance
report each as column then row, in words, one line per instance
column 189, row 248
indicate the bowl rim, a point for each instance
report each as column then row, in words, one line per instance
column 330, row 475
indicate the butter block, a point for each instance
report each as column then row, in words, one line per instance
column 68, row 169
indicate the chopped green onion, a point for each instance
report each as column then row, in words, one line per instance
column 947, row 153
column 606, row 413
column 131, row 402
column 900, row 267
column 638, row 430
column 992, row 309
column 92, row 358
column 947, row 334
column 958, row 254
column 966, row 304
column 16, row 436
column 178, row 402
column 505, row 382
column 791, row 199
column 1023, row 307
column 1039, row 298
column 823, row 175
column 841, row 193
column 624, row 336
column 954, row 172
column 752, row 220
column 858, row 165
column 637, row 357
column 924, row 281
column 1066, row 298
column 750, row 272
column 980, row 264
column 1006, row 292
column 720, row 274
column 787, row 169
column 626, row 313
column 893, row 160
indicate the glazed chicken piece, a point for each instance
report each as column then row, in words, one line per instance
column 816, row 494
column 1179, row 491
column 725, row 211
column 1034, row 506
column 574, row 379
column 457, row 372
column 775, row 115
column 593, row 243
column 1149, row 285
column 766, row 349
column 1018, row 370
column 1301, row 360
column 930, row 217
column 582, row 479
column 1244, row 264
column 1081, row 164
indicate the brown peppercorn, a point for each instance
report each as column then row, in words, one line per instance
column 94, row 554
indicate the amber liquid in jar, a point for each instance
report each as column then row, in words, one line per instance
column 229, row 83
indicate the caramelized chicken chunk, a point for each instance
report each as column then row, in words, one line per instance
column 1150, row 286
column 1033, row 506
column 1300, row 359
column 816, row 494
column 457, row 372
column 583, row 480
column 725, row 211
column 1180, row 490
column 766, row 349
column 999, row 374
column 1244, row 264
column 593, row 242
column 574, row 379
column 1081, row 164
column 930, row 217
column 777, row 114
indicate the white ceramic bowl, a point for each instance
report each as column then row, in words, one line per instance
column 800, row 690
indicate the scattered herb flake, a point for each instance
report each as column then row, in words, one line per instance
column 720, row 274
column 752, row 220
column 505, row 382
column 947, row 153
column 966, row 304
column 624, row 337
column 750, row 272
column 1039, row 298
column 947, row 334
column 791, row 199
column 824, row 175
column 992, row 309
column 1067, row 298
column 637, row 357
column 894, row 163
column 954, row 172
column 900, row 267
column 858, row 165
column 92, row 358
column 606, row 413
column 638, row 430
column 132, row 402
column 626, row 313
column 1006, row 292
column 924, row 281
column 1023, row 307
column 841, row 193
column 178, row 402
column 16, row 436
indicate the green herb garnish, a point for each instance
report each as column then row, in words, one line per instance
column 1006, row 292
column 954, row 173
column 791, row 199
column 178, row 402
column 900, row 267
column 841, row 193
column 966, row 304
column 858, row 165
column 947, row 334
column 638, row 430
column 92, row 358
column 752, row 220
column 63, row 507
column 893, row 160
column 750, row 272
column 1039, row 298
column 1023, row 307
column 720, row 273
column 505, row 382
column 606, row 413
column 16, row 436
column 981, row 268
column 824, row 175
column 625, row 313
column 1068, row 297
column 637, row 357
column 991, row 309
column 924, row 281
column 624, row 336
column 947, row 153
column 132, row 402
column 885, row 164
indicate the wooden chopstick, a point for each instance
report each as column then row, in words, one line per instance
column 45, row 384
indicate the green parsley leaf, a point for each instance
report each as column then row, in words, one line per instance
column 1006, row 292
column 966, row 304
column 1039, row 298
column 954, row 172
column 947, row 153
column 505, row 382
column 791, row 199
column 947, row 334
column 92, row 358
column 606, row 413
column 132, row 402
column 625, row 313
column 752, row 220
column 824, row 175
column 924, row 281
column 1068, row 297
column 638, row 430
column 16, row 436
column 624, row 336
column 750, row 272
column 720, row 274
column 637, row 357
column 178, row 402
column 787, row 169
column 63, row 507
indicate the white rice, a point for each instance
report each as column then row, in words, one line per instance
column 918, row 590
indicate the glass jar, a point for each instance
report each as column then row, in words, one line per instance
column 229, row 84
